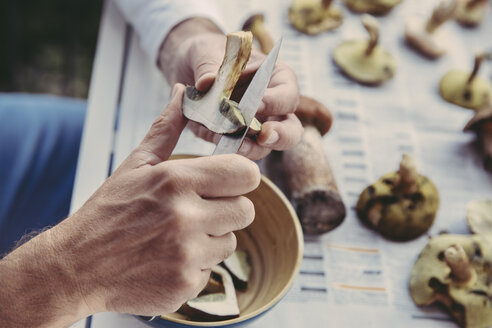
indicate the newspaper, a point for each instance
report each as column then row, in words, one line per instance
column 352, row 276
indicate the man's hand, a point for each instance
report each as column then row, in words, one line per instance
column 192, row 54
column 144, row 243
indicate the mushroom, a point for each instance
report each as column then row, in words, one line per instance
column 456, row 271
column 373, row 7
column 214, row 306
column 400, row 205
column 365, row 61
column 310, row 182
column 314, row 16
column 238, row 265
column 481, row 123
column 424, row 36
column 479, row 216
column 213, row 108
column 467, row 89
column 255, row 24
column 470, row 13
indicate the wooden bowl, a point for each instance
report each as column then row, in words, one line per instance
column 274, row 242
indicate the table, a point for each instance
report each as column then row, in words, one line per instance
column 350, row 270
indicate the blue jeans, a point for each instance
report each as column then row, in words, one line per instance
column 39, row 146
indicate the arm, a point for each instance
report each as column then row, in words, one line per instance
column 190, row 50
column 143, row 243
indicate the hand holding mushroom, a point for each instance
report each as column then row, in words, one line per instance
column 423, row 37
column 365, row 61
column 400, row 205
column 199, row 60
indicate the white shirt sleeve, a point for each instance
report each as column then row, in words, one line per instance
column 153, row 19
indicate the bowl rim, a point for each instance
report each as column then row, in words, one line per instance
column 285, row 289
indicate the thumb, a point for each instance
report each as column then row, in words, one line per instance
column 163, row 135
column 205, row 72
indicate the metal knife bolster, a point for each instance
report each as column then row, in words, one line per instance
column 250, row 101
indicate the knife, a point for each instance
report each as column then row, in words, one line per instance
column 250, row 101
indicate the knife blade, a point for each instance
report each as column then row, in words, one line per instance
column 250, row 101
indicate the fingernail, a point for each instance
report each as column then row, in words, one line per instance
column 273, row 138
column 175, row 90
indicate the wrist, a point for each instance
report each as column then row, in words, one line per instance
column 39, row 281
column 176, row 46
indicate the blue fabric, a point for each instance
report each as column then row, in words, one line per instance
column 39, row 145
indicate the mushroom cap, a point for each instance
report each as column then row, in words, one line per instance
column 309, row 16
column 431, row 280
column 428, row 44
column 455, row 89
column 375, row 7
column 371, row 69
column 470, row 15
column 478, row 119
column 311, row 111
column 403, row 217
column 248, row 24
column 479, row 216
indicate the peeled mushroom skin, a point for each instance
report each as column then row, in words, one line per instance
column 454, row 88
column 431, row 279
column 479, row 216
column 398, row 217
column 309, row 16
column 374, row 7
column 372, row 69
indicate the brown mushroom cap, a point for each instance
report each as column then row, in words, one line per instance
column 377, row 7
column 311, row 111
column 431, row 279
column 252, row 20
column 480, row 117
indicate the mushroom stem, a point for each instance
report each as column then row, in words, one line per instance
column 457, row 260
column 487, row 145
column 479, row 58
column 261, row 34
column 443, row 12
column 407, row 181
column 326, row 4
column 372, row 27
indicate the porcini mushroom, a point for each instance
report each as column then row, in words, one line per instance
column 456, row 271
column 479, row 216
column 400, row 205
column 214, row 306
column 373, row 7
column 314, row 16
column 310, row 182
column 256, row 25
column 470, row 13
column 424, row 36
column 238, row 265
column 467, row 89
column 214, row 109
column 365, row 61
column 481, row 123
